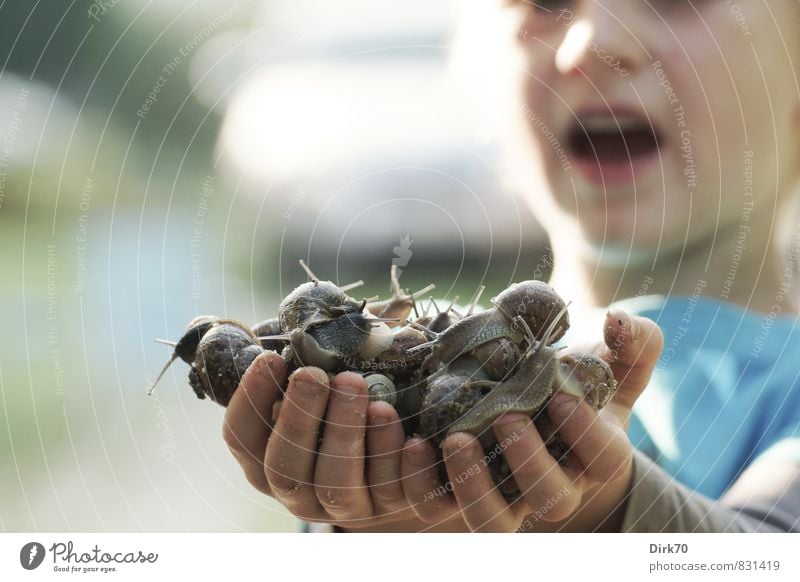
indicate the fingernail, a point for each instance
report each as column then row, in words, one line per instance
column 634, row 329
column 272, row 369
column 310, row 390
column 512, row 423
column 562, row 405
column 379, row 421
column 458, row 450
column 415, row 456
column 345, row 393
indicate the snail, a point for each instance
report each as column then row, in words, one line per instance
column 538, row 376
column 400, row 304
column 267, row 328
column 395, row 357
column 409, row 402
column 459, row 402
column 219, row 351
column 325, row 343
column 595, row 378
column 451, row 395
column 223, row 356
column 591, row 373
column 435, row 324
column 523, row 311
column 381, row 388
column 498, row 357
column 314, row 301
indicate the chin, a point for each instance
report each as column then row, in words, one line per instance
column 618, row 255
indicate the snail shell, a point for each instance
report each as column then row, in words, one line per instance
column 314, row 301
column 381, row 388
column 593, row 375
column 186, row 348
column 538, row 304
column 409, row 403
column 395, row 357
column 223, row 356
column 498, row 357
column 269, row 327
column 450, row 396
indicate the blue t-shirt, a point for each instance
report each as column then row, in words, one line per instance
column 725, row 391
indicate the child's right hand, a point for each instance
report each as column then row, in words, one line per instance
column 354, row 480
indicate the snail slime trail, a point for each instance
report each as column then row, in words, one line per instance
column 443, row 371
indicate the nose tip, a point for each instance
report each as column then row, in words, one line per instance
column 573, row 51
column 598, row 41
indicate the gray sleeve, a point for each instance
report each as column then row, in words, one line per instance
column 766, row 498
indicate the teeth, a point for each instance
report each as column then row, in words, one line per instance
column 611, row 124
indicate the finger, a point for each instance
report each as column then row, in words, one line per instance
column 248, row 418
column 633, row 346
column 339, row 474
column 424, row 491
column 602, row 447
column 291, row 450
column 385, row 439
column 548, row 490
column 482, row 505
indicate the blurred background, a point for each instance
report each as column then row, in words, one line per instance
column 161, row 160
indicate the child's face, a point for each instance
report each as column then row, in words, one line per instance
column 714, row 80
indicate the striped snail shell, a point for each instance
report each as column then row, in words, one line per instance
column 381, row 388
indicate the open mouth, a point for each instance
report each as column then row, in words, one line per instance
column 612, row 140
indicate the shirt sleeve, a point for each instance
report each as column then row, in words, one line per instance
column 766, row 498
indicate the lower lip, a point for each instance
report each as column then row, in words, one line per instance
column 615, row 173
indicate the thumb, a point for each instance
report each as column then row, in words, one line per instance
column 633, row 346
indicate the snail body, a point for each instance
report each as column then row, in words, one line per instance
column 325, row 343
column 395, row 357
column 536, row 379
column 400, row 304
column 467, row 335
column 523, row 311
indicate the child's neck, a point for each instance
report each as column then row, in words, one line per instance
column 745, row 268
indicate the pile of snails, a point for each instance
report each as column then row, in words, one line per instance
column 444, row 371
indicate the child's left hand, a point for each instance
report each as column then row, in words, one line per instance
column 585, row 496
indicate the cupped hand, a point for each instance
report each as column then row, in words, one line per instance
column 320, row 448
column 585, row 495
